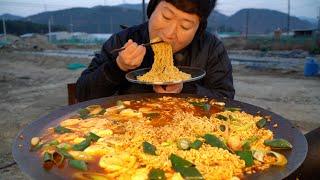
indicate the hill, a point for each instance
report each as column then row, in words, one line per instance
column 106, row 19
column 10, row 17
column 18, row 27
column 262, row 21
column 99, row 19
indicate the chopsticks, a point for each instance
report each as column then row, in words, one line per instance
column 145, row 45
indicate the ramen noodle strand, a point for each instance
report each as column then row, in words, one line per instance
column 163, row 69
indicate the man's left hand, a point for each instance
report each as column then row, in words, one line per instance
column 173, row 88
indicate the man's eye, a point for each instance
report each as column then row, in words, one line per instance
column 185, row 28
column 165, row 17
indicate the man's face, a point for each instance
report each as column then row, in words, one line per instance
column 173, row 25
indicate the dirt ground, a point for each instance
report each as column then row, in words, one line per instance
column 34, row 85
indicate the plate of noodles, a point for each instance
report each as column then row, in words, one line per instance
column 187, row 74
column 151, row 136
column 163, row 71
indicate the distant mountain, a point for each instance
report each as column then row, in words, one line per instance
column 262, row 21
column 18, row 27
column 107, row 19
column 99, row 19
column 10, row 17
column 313, row 21
column 215, row 20
column 131, row 6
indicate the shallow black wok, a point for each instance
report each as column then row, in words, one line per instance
column 32, row 166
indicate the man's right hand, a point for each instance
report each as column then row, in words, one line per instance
column 131, row 57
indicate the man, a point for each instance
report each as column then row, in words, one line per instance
column 181, row 23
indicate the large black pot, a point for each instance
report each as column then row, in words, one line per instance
column 30, row 164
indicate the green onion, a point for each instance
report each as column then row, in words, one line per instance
column 47, row 157
column 47, row 161
column 261, row 123
column 196, row 144
column 247, row 143
column 221, row 117
column 37, row 147
column 84, row 113
column 93, row 137
column 215, row 141
column 222, row 127
column 61, row 130
column 246, row 156
column 102, row 112
column 64, row 146
column 64, row 153
column 184, row 167
column 85, row 143
column 156, row 174
column 77, row 164
column 278, row 144
column 53, row 143
column 204, row 106
column 82, row 145
column 149, row 148
column 58, row 158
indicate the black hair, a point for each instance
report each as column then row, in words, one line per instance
column 202, row 8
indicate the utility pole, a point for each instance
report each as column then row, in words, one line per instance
column 319, row 20
column 51, row 19
column 111, row 25
column 49, row 29
column 4, row 29
column 247, row 23
column 71, row 25
column 288, row 25
column 98, row 28
column 45, row 6
column 143, row 11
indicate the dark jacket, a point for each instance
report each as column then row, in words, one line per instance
column 104, row 78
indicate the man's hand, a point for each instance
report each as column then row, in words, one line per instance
column 131, row 57
column 174, row 88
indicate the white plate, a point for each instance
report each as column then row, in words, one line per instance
column 196, row 74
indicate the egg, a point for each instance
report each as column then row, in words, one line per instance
column 131, row 113
column 102, row 132
column 98, row 150
column 140, row 174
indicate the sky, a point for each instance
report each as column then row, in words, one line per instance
column 300, row 8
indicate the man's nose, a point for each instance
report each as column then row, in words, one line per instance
column 171, row 31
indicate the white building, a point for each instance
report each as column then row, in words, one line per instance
column 62, row 35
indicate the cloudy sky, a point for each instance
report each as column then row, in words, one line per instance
column 306, row 8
